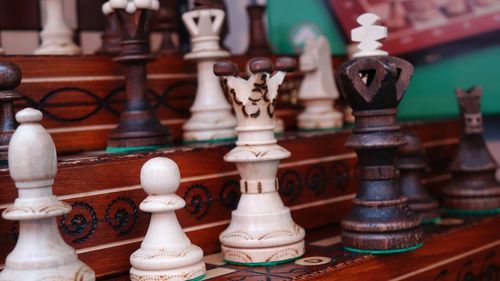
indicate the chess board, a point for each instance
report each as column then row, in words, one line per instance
column 325, row 259
column 416, row 35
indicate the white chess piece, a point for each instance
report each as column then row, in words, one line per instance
column 57, row 36
column 40, row 252
column 261, row 231
column 368, row 35
column 318, row 90
column 166, row 252
column 211, row 117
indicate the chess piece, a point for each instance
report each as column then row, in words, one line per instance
column 138, row 129
column 167, row 23
column 57, row 36
column 397, row 15
column 374, row 83
column 474, row 189
column 166, row 252
column 261, row 231
column 456, row 7
column 411, row 165
column 258, row 44
column 40, row 252
column 318, row 90
column 10, row 77
column 220, row 5
column 111, row 38
column 211, row 117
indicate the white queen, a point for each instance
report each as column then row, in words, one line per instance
column 261, row 231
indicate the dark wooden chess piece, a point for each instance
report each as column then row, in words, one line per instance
column 258, row 44
column 474, row 189
column 168, row 23
column 139, row 128
column 412, row 166
column 10, row 77
column 111, row 38
column 380, row 221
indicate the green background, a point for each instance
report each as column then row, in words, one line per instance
column 431, row 91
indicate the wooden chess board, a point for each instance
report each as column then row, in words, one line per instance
column 417, row 35
column 443, row 257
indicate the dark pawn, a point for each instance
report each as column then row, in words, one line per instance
column 110, row 37
column 474, row 189
column 139, row 128
column 411, row 167
column 380, row 221
column 168, row 24
column 258, row 45
column 10, row 77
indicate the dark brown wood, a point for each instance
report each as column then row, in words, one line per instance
column 138, row 126
column 20, row 15
column 10, row 77
column 474, row 188
column 412, row 166
column 380, row 220
column 90, row 16
column 110, row 37
column 258, row 45
column 168, row 24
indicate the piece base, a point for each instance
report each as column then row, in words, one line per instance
column 471, row 212
column 384, row 252
column 199, row 278
column 117, row 150
column 270, row 263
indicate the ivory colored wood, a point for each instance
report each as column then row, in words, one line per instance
column 56, row 36
column 40, row 252
column 166, row 252
column 318, row 91
column 211, row 117
column 261, row 228
column 368, row 35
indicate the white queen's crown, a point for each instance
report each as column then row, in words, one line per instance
column 254, row 99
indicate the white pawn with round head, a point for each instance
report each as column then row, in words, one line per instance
column 166, row 252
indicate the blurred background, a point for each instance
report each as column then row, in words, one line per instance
column 452, row 43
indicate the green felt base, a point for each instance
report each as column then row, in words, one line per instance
column 383, row 252
column 270, row 263
column 472, row 212
column 199, row 278
column 432, row 221
column 4, row 162
column 211, row 141
column 115, row 150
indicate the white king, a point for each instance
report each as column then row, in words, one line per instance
column 262, row 230
column 211, row 117
column 318, row 90
column 40, row 252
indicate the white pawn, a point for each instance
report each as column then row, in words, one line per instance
column 57, row 36
column 166, row 252
column 318, row 90
column 368, row 35
column 40, row 252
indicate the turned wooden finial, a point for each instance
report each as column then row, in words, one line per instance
column 10, row 78
column 225, row 68
column 258, row 65
column 286, row 64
